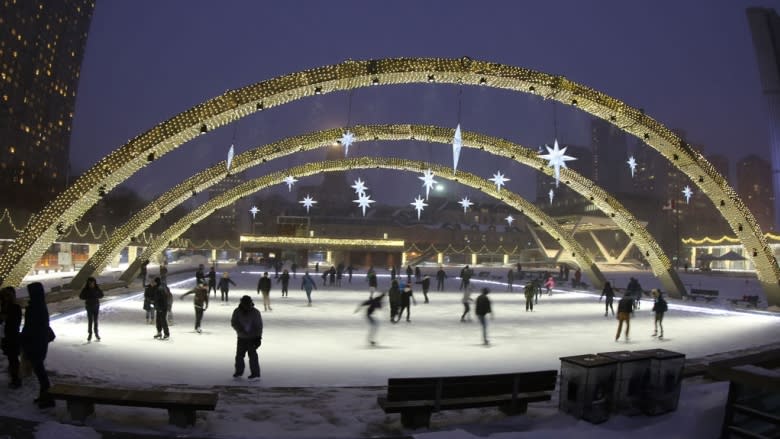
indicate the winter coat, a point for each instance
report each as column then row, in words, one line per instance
column 91, row 297
column 607, row 291
column 160, row 299
column 308, row 283
column 35, row 334
column 247, row 322
column 224, row 284
column 550, row 283
column 13, row 321
column 626, row 304
column 149, row 294
column 441, row 275
column 199, row 276
column 483, row 305
column 660, row 305
column 284, row 278
column 264, row 284
column 372, row 281
column 426, row 283
column 394, row 294
column 529, row 290
column 200, row 297
column 406, row 296
column 373, row 304
column 212, row 278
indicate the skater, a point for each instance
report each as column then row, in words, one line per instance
column 635, row 290
column 417, row 274
column 394, row 294
column 169, row 299
column 339, row 274
column 372, row 305
column 350, row 269
column 149, row 293
column 212, row 276
column 549, row 284
column 332, row 276
column 575, row 283
column 482, row 310
column 409, row 273
column 317, row 267
column 307, row 285
column 285, row 280
column 529, row 291
column 466, row 305
column 161, row 309
column 510, row 279
column 372, row 281
column 143, row 272
column 465, row 276
column 407, row 299
column 294, row 269
column 91, row 295
column 248, row 323
column 392, row 273
column 659, row 308
column 164, row 273
column 200, row 276
column 224, row 286
column 625, row 309
column 565, row 272
column 11, row 315
column 426, row 284
column 200, row 301
column 264, row 286
column 440, row 276
column 609, row 293
column 325, row 278
column 35, row 338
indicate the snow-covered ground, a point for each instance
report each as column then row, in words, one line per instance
column 319, row 375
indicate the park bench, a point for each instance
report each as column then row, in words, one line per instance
column 417, row 398
column 181, row 406
column 708, row 295
column 746, row 301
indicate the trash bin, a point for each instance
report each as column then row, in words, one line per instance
column 632, row 378
column 586, row 387
column 663, row 389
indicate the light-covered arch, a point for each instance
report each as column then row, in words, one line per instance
column 574, row 251
column 235, row 104
column 659, row 262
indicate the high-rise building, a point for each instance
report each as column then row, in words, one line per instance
column 225, row 219
column 563, row 196
column 721, row 164
column 41, row 48
column 609, row 146
column 754, row 175
column 765, row 27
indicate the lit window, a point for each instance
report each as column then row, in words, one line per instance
column 11, row 149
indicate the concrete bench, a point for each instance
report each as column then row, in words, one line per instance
column 698, row 293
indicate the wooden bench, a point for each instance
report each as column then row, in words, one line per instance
column 708, row 295
column 746, row 301
column 417, row 398
column 181, row 406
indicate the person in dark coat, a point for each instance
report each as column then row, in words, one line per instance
column 332, row 276
column 224, row 285
column 392, row 273
column 248, row 324
column 394, row 294
column 91, row 295
column 11, row 315
column 510, row 279
column 609, row 293
column 659, row 308
column 350, row 269
column 264, row 286
column 307, row 284
column 417, row 274
column 407, row 299
column 142, row 274
column 482, row 310
column 200, row 275
column 284, row 278
column 212, row 276
column 160, row 309
column 201, row 302
column 440, row 276
column 164, row 273
column 625, row 309
column 372, row 305
column 635, row 290
column 149, row 293
column 35, row 337
column 426, row 285
column 372, row 281
column 529, row 292
column 409, row 273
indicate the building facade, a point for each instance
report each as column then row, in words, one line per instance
column 754, row 186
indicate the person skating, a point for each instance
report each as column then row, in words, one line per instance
column 372, row 281
column 164, row 273
column 200, row 275
column 35, row 338
column 394, row 295
column 350, row 269
column 577, row 281
column 510, row 279
column 635, row 290
column 440, row 276
column 307, row 284
column 200, row 301
column 529, row 292
column 465, row 276
column 609, row 293
column 339, row 274
column 659, row 308
column 417, row 274
column 392, row 273
column 160, row 309
column 332, row 276
column 224, row 286
column 482, row 310
column 149, row 293
column 248, row 324
column 169, row 301
column 91, row 295
column 212, row 277
column 426, row 285
column 466, row 305
column 325, row 278
column 549, row 284
column 409, row 273
column 11, row 315
column 407, row 299
column 284, row 278
column 264, row 286
column 625, row 309
column 143, row 272
column 372, row 305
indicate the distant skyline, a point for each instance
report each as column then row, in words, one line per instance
column 693, row 68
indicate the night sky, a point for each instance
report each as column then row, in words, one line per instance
column 689, row 64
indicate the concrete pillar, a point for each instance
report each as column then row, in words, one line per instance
column 214, row 255
column 473, row 259
column 403, row 259
column 506, row 259
column 329, row 257
column 439, row 258
column 132, row 253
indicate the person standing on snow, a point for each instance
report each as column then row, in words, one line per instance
column 307, row 284
column 407, row 298
column 160, row 298
column 426, row 284
column 394, row 294
column 482, row 310
column 91, row 295
column 224, row 286
column 201, row 302
column 284, row 278
column 35, row 338
column 264, row 286
column 248, row 324
column 659, row 308
column 212, row 276
column 440, row 276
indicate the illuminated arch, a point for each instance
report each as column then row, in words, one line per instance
column 611, row 207
column 235, row 104
column 574, row 250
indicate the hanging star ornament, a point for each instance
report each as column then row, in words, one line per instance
column 687, row 193
column 509, row 219
column 465, row 203
column 551, row 194
column 359, row 187
column 556, row 158
column 428, row 181
column 230, row 158
column 457, row 144
column 419, row 204
column 364, row 201
column 632, row 165
column 307, row 202
column 499, row 180
column 347, row 139
column 290, row 181
column 254, row 211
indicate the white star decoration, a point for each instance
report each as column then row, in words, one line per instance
column 230, row 158
column 364, row 201
column 348, row 138
column 428, row 181
column 551, row 194
column 632, row 165
column 419, row 204
column 308, row 202
column 499, row 180
column 556, row 158
column 290, row 180
column 687, row 193
column 254, row 211
column 457, row 144
column 359, row 186
column 465, row 203
column 509, row 219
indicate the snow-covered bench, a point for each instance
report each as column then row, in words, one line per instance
column 417, row 398
column 181, row 406
column 708, row 295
